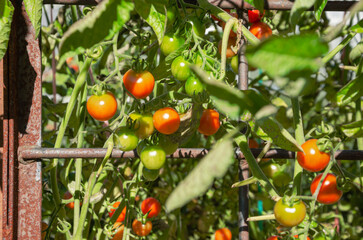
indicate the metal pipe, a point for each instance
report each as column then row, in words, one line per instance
column 86, row 153
column 228, row 4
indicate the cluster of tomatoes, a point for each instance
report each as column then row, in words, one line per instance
column 150, row 208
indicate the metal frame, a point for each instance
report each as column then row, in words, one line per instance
column 20, row 76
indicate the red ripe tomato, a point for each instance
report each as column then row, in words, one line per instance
column 252, row 143
column 166, row 120
column 261, row 30
column 289, row 215
column 44, row 228
column 223, row 234
column 139, row 84
column 312, row 159
column 230, row 53
column 329, row 193
column 273, row 238
column 121, row 217
column 255, row 15
column 209, row 122
column 297, row 236
column 67, row 195
column 141, row 229
column 102, row 107
column 152, row 206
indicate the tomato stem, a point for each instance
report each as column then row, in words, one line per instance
column 338, row 48
column 261, row 218
column 225, row 39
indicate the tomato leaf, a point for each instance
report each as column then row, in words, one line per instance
column 34, row 10
column 358, row 28
column 319, row 8
column 282, row 52
column 279, row 135
column 350, row 92
column 229, row 100
column 154, row 14
column 353, row 130
column 212, row 166
column 356, row 52
column 6, row 17
column 298, row 8
column 102, row 23
column 259, row 4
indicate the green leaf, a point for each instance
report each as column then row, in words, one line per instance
column 350, row 92
column 34, row 10
column 284, row 53
column 153, row 12
column 353, row 130
column 319, row 8
column 299, row 7
column 356, row 52
column 229, row 100
column 6, row 17
column 212, row 166
column 102, row 23
column 279, row 135
column 358, row 28
column 259, row 4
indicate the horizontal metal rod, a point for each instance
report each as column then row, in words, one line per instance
column 270, row 4
column 48, row 153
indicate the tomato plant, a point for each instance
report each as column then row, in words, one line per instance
column 139, row 84
column 312, row 159
column 140, row 229
column 144, row 126
column 102, row 107
column 119, row 229
column 223, row 234
column 122, row 216
column 153, row 157
column 273, row 238
column 209, row 122
column 126, row 139
column 261, row 30
column 289, row 214
column 166, row 120
column 171, row 43
column 329, row 192
column 152, row 206
column 297, row 236
column 67, row 195
column 180, row 69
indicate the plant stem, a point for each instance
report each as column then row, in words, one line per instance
column 261, row 218
column 78, row 162
column 299, row 135
column 227, row 30
column 338, row 48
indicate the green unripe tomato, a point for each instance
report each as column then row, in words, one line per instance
column 126, row 139
column 150, row 175
column 281, row 179
column 180, row 69
column 153, row 157
column 193, row 86
column 140, row 147
column 168, row 146
column 234, row 64
column 171, row 43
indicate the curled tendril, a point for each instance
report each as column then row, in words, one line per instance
column 64, row 226
column 86, row 10
column 325, row 144
column 210, row 49
column 344, row 183
column 323, row 130
column 135, row 41
column 95, row 53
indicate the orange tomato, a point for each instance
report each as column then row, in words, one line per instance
column 141, row 229
column 67, row 195
column 140, row 85
column 312, row 159
column 121, row 217
column 223, row 234
column 231, row 42
column 252, row 143
column 209, row 122
column 44, row 227
column 261, row 30
column 119, row 227
column 102, row 107
column 166, row 120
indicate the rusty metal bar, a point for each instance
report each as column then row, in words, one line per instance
column 21, row 190
column 86, row 153
column 270, row 4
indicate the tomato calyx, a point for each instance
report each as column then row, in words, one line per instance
column 344, row 183
column 325, row 145
column 139, row 65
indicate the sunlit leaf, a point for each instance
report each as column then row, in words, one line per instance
column 350, row 92
column 356, row 52
column 6, row 17
column 281, row 56
column 319, row 8
column 353, row 130
column 212, row 166
column 259, row 4
column 298, row 8
column 34, row 10
column 102, row 23
column 358, row 28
